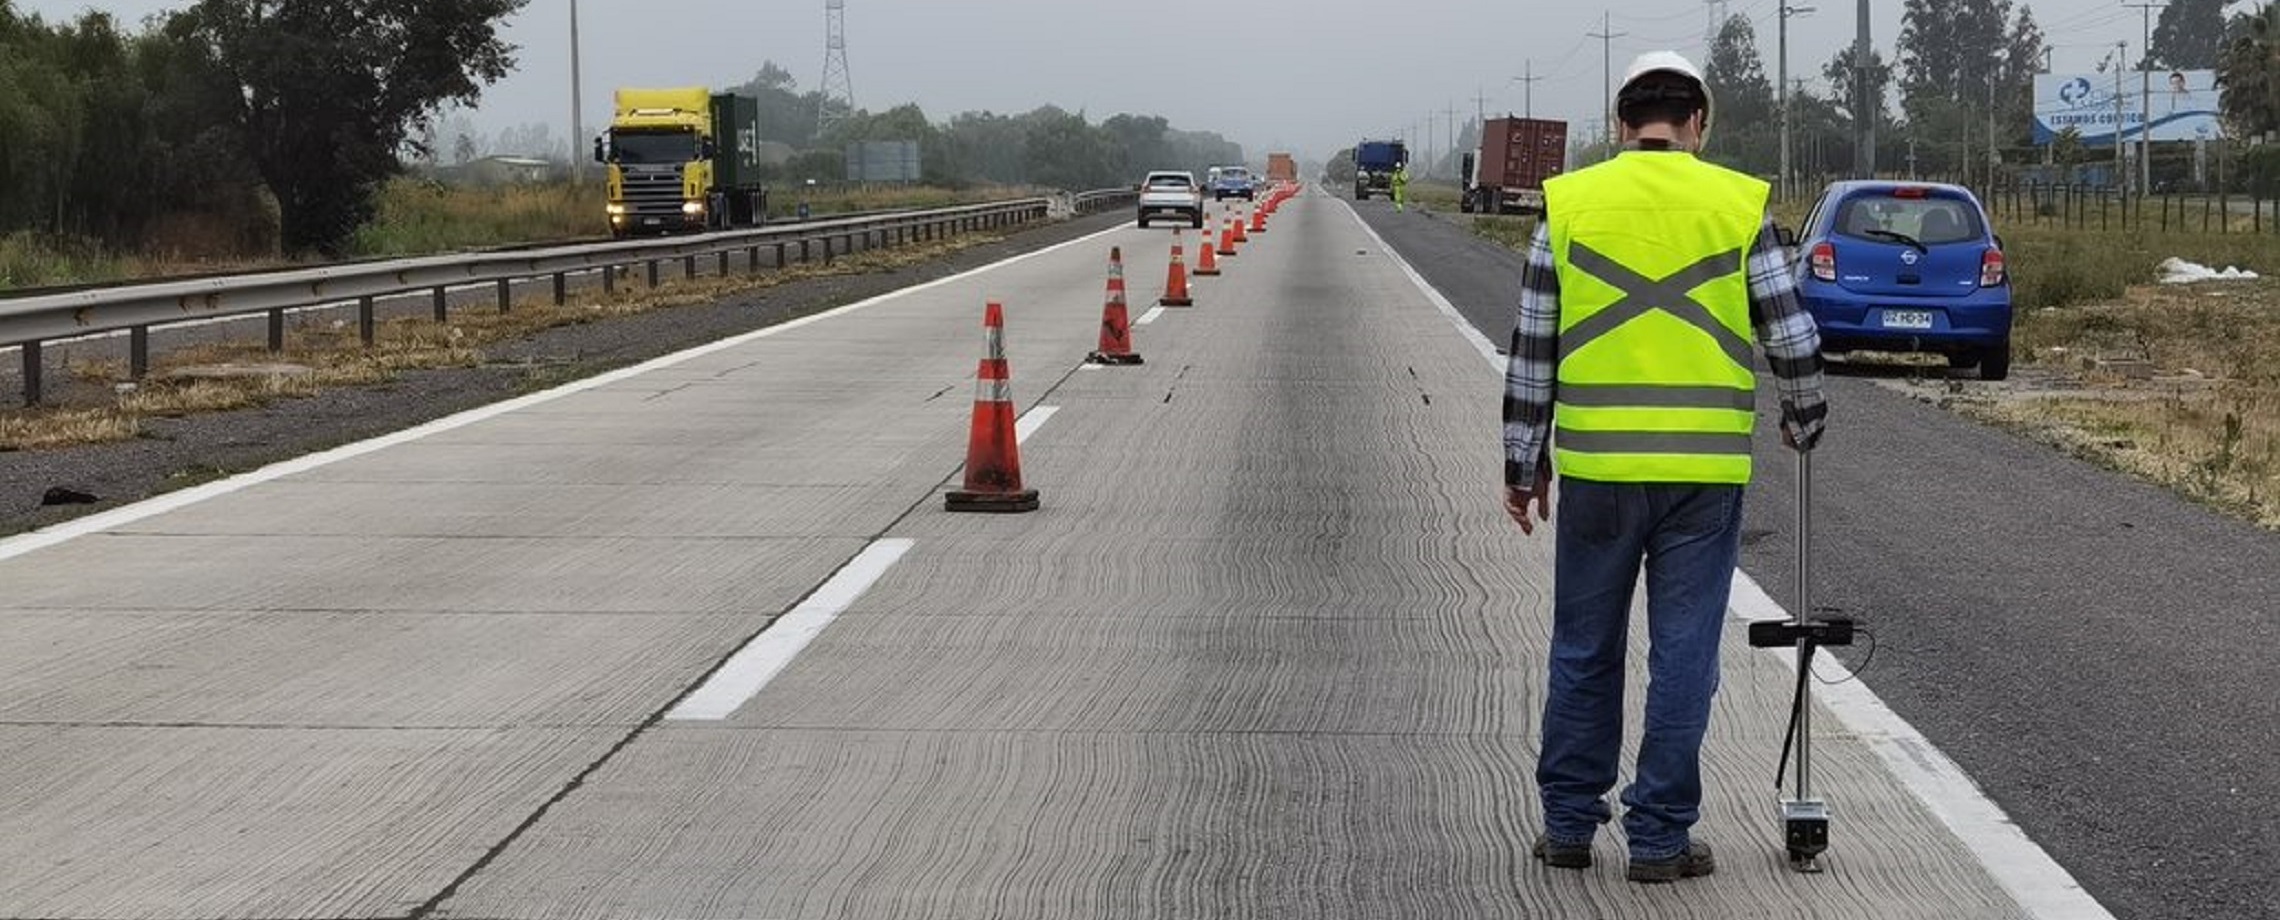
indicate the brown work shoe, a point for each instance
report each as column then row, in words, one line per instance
column 1696, row 862
column 1563, row 855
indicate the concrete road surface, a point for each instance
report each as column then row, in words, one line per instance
column 1270, row 649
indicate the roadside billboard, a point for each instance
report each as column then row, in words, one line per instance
column 2183, row 103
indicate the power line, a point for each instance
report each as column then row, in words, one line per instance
column 1607, row 37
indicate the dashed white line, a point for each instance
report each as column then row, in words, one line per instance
column 745, row 673
column 1149, row 317
column 1032, row 420
column 2042, row 887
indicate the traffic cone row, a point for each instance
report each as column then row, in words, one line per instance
column 993, row 454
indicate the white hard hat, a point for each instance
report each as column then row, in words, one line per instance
column 1674, row 63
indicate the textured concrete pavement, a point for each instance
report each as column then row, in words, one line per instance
column 1270, row 649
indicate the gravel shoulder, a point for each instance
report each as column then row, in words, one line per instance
column 174, row 453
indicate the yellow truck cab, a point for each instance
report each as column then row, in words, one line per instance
column 682, row 160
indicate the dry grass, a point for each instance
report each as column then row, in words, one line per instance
column 329, row 354
column 2207, row 424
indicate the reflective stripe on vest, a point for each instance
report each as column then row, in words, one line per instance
column 1656, row 379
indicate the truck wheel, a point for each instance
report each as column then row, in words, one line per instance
column 1995, row 362
column 1143, row 221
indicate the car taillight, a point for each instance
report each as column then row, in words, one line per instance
column 1991, row 268
column 1824, row 262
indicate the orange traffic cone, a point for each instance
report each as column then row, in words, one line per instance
column 1227, row 239
column 1240, row 236
column 993, row 455
column 1259, row 218
column 1206, row 260
column 1175, row 279
column 1115, row 320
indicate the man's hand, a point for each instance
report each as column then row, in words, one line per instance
column 1517, row 500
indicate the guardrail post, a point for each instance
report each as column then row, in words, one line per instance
column 780, row 248
column 561, row 288
column 442, row 305
column 654, row 279
column 364, row 320
column 828, row 246
column 276, row 330
column 138, row 352
column 803, row 251
column 506, row 296
column 724, row 263
column 689, row 268
column 752, row 260
column 609, row 279
column 33, row 364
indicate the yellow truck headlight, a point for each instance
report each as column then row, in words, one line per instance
column 693, row 207
column 616, row 210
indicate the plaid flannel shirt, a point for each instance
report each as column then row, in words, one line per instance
column 1531, row 382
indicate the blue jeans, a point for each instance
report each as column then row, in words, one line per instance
column 1688, row 536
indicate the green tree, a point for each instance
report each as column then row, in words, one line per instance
column 1747, row 134
column 1063, row 151
column 2248, row 72
column 2188, row 36
column 331, row 90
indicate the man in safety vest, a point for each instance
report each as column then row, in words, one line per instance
column 1401, row 187
column 1642, row 289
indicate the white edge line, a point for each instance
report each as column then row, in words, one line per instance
column 1032, row 420
column 21, row 544
column 742, row 676
column 1149, row 317
column 2041, row 886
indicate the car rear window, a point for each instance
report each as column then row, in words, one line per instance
column 1169, row 182
column 1927, row 220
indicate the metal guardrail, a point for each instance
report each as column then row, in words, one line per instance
column 30, row 322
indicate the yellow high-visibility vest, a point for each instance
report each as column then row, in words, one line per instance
column 1656, row 379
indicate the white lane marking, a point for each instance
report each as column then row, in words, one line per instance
column 741, row 678
column 2041, row 886
column 1032, row 420
column 13, row 547
column 1149, row 317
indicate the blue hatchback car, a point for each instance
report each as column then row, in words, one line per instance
column 1907, row 266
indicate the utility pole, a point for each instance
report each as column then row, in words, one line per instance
column 577, row 106
column 1528, row 88
column 1783, row 82
column 1867, row 105
column 1451, row 155
column 2121, row 161
column 2145, row 99
column 1607, row 78
column 1480, row 104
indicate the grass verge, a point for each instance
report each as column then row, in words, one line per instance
column 321, row 355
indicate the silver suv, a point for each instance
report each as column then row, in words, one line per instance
column 1173, row 192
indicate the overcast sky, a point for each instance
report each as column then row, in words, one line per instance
column 1302, row 75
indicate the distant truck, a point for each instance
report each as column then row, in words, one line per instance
column 1374, row 163
column 1506, row 175
column 683, row 160
column 1281, row 168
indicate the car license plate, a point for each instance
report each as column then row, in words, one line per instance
column 1907, row 319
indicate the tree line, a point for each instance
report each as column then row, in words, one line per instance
column 1963, row 80
column 273, row 124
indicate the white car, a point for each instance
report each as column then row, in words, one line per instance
column 1174, row 192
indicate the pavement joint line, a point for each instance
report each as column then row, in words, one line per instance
column 43, row 538
column 2043, row 888
column 750, row 669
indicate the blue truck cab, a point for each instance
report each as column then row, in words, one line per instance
column 1374, row 163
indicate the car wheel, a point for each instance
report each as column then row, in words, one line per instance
column 1963, row 360
column 1143, row 222
column 1995, row 363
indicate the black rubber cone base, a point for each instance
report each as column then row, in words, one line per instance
column 1125, row 360
column 992, row 502
column 1176, row 302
